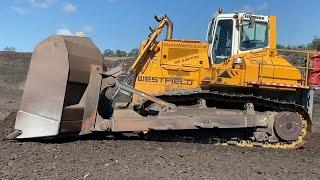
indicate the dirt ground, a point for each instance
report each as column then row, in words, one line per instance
column 102, row 158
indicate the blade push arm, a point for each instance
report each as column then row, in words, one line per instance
column 164, row 21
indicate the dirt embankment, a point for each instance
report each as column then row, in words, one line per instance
column 13, row 71
column 103, row 158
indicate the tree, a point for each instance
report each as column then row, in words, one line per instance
column 108, row 53
column 120, row 53
column 134, row 52
column 280, row 46
column 315, row 42
column 7, row 48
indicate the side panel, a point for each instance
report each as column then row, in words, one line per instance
column 270, row 68
column 178, row 65
column 260, row 67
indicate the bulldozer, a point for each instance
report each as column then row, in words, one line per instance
column 234, row 86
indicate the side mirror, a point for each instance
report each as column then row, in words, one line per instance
column 252, row 22
column 209, row 39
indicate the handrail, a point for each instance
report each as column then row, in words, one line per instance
column 297, row 51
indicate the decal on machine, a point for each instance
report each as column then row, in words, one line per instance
column 165, row 80
column 185, row 45
column 186, row 59
column 228, row 74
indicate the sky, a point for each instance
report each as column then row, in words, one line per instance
column 123, row 24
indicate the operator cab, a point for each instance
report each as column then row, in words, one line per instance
column 230, row 34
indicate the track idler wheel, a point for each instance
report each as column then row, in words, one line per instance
column 288, row 126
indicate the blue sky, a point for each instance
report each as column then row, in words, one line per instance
column 123, row 24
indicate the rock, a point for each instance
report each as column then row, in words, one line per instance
column 86, row 175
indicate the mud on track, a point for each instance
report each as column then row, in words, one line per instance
column 102, row 158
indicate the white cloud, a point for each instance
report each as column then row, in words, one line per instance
column 263, row 6
column 254, row 8
column 19, row 10
column 69, row 8
column 64, row 31
column 43, row 4
column 87, row 29
column 246, row 8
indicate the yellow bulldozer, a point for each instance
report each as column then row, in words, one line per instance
column 234, row 86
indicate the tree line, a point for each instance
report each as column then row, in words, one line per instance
column 9, row 48
column 134, row 52
column 312, row 46
column 120, row 53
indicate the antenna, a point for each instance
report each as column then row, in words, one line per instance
column 220, row 10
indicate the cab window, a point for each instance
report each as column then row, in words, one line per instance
column 222, row 46
column 254, row 37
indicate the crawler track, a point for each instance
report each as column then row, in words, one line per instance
column 266, row 103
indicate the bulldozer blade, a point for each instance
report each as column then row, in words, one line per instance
column 58, row 76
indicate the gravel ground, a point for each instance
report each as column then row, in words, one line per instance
column 102, row 158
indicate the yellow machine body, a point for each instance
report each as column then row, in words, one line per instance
column 177, row 65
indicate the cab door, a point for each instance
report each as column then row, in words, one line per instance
column 222, row 49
